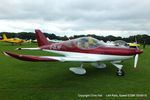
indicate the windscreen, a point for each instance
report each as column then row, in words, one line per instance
column 88, row 43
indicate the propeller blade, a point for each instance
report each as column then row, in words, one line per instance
column 135, row 61
column 136, row 42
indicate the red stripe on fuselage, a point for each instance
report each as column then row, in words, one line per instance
column 100, row 50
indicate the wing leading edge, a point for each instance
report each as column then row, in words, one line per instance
column 49, row 58
column 28, row 58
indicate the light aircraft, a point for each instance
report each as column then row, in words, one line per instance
column 11, row 40
column 84, row 49
column 110, row 43
column 133, row 45
column 117, row 43
column 54, row 40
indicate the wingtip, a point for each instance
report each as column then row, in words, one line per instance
column 6, row 53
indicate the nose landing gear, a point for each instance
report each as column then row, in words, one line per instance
column 120, row 71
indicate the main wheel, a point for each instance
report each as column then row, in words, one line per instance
column 120, row 72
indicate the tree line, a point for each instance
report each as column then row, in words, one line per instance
column 30, row 35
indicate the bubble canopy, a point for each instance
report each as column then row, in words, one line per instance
column 88, row 43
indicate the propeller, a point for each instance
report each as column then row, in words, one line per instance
column 136, row 56
column 136, row 43
column 135, row 61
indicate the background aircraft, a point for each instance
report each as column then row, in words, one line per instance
column 133, row 45
column 54, row 40
column 11, row 40
column 84, row 49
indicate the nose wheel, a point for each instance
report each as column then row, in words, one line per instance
column 120, row 72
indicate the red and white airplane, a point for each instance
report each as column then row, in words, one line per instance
column 84, row 49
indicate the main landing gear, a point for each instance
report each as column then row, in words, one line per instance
column 78, row 70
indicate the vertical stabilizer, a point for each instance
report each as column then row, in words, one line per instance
column 4, row 37
column 41, row 39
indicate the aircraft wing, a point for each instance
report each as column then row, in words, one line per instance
column 50, row 58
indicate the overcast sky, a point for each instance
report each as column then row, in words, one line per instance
column 70, row 17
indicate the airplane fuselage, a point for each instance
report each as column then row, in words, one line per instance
column 99, row 50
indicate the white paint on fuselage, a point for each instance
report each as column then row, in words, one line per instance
column 97, row 57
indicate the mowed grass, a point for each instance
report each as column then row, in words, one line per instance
column 22, row 80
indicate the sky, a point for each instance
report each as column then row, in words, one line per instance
column 75, row 17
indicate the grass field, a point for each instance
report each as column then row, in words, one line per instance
column 21, row 80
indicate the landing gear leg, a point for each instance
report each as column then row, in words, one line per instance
column 119, row 72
